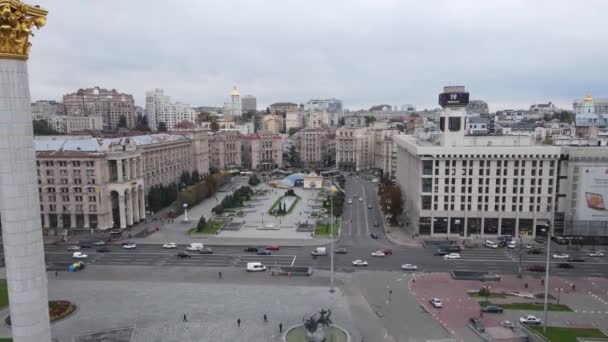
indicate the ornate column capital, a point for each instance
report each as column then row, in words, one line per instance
column 16, row 21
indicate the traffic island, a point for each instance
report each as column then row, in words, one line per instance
column 58, row 310
column 563, row 334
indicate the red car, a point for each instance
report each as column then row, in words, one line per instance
column 536, row 268
column 272, row 248
column 387, row 252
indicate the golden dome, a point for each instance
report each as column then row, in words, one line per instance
column 588, row 97
column 235, row 92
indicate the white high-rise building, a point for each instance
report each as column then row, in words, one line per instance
column 160, row 109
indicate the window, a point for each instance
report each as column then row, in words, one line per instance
column 50, row 173
column 79, row 207
column 63, row 173
column 77, row 181
column 533, row 181
column 92, row 207
column 52, row 208
column 78, row 198
column 64, row 181
column 50, row 181
column 426, row 202
column 92, row 198
column 52, row 199
column 64, row 190
column 76, row 163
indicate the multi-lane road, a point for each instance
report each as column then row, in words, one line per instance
column 357, row 226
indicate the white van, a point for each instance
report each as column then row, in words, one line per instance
column 491, row 244
column 319, row 251
column 195, row 246
column 255, row 267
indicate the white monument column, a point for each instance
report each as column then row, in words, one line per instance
column 19, row 202
column 142, row 203
column 122, row 210
column 135, row 199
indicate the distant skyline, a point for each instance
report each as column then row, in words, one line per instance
column 510, row 53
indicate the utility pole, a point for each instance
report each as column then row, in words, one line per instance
column 547, row 276
column 331, row 250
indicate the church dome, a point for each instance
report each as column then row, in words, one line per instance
column 235, row 92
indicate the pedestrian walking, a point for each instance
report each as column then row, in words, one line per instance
column 238, row 322
column 220, row 275
column 526, row 285
column 280, row 327
column 56, row 274
column 185, row 318
column 265, row 319
column 542, row 281
column 573, row 287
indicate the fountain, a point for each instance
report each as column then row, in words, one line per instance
column 317, row 328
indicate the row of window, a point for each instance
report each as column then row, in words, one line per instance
column 90, row 181
column 486, row 172
column 485, row 207
column 66, row 198
column 486, row 190
column 63, row 163
column 480, row 181
column 66, row 208
column 64, row 173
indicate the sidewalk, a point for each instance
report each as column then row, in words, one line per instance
column 400, row 237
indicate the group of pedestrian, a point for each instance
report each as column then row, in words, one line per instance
column 238, row 320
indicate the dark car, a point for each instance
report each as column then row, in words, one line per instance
column 85, row 245
column 103, row 250
column 128, row 243
column 452, row 249
column 369, row 206
column 535, row 251
column 506, row 238
column 492, row 309
column 374, row 235
column 536, row 268
column 441, row 252
column 206, row 251
column 574, row 259
column 341, row 250
column 183, row 255
column 251, row 249
column 565, row 265
column 264, row 252
column 539, row 239
column 387, row 251
column 502, row 243
column 476, row 323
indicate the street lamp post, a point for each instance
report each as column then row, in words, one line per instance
column 548, row 229
column 185, row 206
column 519, row 275
column 331, row 249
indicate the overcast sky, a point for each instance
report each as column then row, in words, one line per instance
column 510, row 53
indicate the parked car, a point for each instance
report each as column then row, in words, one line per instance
column 491, row 244
column 206, row 250
column 451, row 256
column 565, row 265
column 512, row 244
column 492, row 309
column 359, row 263
column 378, row 254
column 560, row 256
column 476, row 324
column 361, row 199
column 350, row 201
column 341, row 250
column 436, row 302
column 374, row 235
column 575, row 259
column 536, row 268
column 79, row 255
column 528, row 246
column 251, row 249
column 595, row 254
column 530, row 319
column 130, row 246
column 409, row 267
column 103, row 250
column 73, row 248
column 183, row 255
column 272, row 248
column 264, row 252
column 170, row 245
column 507, row 324
column 539, row 239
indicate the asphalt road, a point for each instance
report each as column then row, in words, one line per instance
column 357, row 225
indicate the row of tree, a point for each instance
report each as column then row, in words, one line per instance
column 391, row 201
column 254, row 180
column 338, row 199
column 161, row 196
column 235, row 200
column 193, row 191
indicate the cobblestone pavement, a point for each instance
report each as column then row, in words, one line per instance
column 157, row 309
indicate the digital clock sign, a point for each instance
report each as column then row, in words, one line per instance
column 453, row 99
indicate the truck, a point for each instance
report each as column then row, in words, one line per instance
column 195, row 246
column 255, row 267
column 319, row 251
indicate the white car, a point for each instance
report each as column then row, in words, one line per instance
column 507, row 324
column 451, row 256
column 129, row 246
column 170, row 245
column 596, row 254
column 512, row 244
column 529, row 246
column 99, row 243
column 491, row 244
column 409, row 267
column 359, row 263
column 360, row 199
column 74, row 248
column 79, row 255
column 378, row 254
column 350, row 201
column 530, row 319
column 561, row 256
column 436, row 302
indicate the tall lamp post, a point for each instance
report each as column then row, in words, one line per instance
column 185, row 206
column 331, row 249
column 548, row 230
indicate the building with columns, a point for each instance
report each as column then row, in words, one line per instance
column 225, row 150
column 89, row 183
column 262, row 151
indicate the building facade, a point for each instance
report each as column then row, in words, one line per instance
column 283, row 107
column 225, row 150
column 110, row 105
column 47, row 108
column 294, row 120
column 89, row 183
column 249, row 103
column 363, row 148
column 314, row 146
column 477, row 107
column 262, row 151
column 273, row 123
column 473, row 186
column 159, row 108
column 328, row 105
column 233, row 106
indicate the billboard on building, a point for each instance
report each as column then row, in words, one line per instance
column 592, row 197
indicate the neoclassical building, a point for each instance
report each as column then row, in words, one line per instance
column 89, row 183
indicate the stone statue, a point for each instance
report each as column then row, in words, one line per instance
column 315, row 326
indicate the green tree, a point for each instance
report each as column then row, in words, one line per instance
column 391, row 201
column 41, row 127
column 214, row 126
column 254, row 180
column 122, row 121
column 200, row 226
column 564, row 116
column 185, row 178
column 196, row 177
column 293, row 130
column 141, row 123
column 162, row 127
